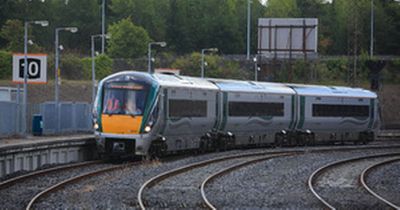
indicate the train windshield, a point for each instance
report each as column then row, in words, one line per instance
column 126, row 98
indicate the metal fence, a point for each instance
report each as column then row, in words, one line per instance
column 74, row 117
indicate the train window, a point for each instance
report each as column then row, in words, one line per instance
column 242, row 109
column 187, row 108
column 124, row 98
column 334, row 110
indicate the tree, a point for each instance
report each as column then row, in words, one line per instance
column 282, row 9
column 127, row 40
column 216, row 67
column 13, row 33
column 104, row 67
column 150, row 14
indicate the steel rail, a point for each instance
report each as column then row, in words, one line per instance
column 324, row 168
column 170, row 173
column 14, row 180
column 151, row 182
column 365, row 173
column 231, row 168
column 75, row 179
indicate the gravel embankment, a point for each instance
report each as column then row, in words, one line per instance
column 276, row 183
column 385, row 181
column 340, row 186
column 17, row 196
column 118, row 189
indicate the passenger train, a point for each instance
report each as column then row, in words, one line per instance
column 137, row 113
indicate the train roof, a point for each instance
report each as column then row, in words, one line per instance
column 250, row 86
column 337, row 91
column 172, row 80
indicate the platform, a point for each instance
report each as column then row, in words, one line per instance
column 31, row 153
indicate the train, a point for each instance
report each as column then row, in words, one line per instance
column 141, row 114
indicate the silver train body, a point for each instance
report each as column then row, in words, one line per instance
column 188, row 113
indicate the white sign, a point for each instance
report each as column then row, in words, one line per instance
column 37, row 68
column 287, row 37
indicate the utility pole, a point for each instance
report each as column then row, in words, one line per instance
column 248, row 28
column 371, row 46
column 103, row 25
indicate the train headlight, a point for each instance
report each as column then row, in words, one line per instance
column 147, row 129
column 96, row 126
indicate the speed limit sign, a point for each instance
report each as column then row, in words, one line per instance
column 37, row 68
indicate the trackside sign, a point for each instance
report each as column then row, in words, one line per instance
column 37, row 68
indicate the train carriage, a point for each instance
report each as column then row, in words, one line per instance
column 336, row 114
column 255, row 111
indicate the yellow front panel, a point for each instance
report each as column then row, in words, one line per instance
column 121, row 124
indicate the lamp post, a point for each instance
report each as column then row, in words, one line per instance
column 371, row 47
column 103, row 27
column 43, row 23
column 57, row 71
column 248, row 28
column 161, row 44
column 202, row 58
column 94, row 64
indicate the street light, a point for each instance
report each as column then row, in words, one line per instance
column 57, row 71
column 43, row 23
column 161, row 44
column 248, row 28
column 94, row 63
column 103, row 27
column 202, row 58
column 371, row 46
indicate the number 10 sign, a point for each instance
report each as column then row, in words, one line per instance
column 37, row 68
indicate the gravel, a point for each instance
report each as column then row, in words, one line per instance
column 17, row 196
column 385, row 181
column 340, row 186
column 276, row 183
column 118, row 189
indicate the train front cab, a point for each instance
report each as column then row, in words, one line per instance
column 125, row 114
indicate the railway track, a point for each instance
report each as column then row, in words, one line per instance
column 24, row 177
column 168, row 174
column 331, row 166
column 174, row 172
column 212, row 177
column 72, row 180
column 44, row 190
column 20, row 189
column 363, row 182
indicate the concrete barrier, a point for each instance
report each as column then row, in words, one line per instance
column 31, row 156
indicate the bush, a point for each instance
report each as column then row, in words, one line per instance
column 5, row 65
column 391, row 73
column 216, row 67
column 71, row 66
column 103, row 67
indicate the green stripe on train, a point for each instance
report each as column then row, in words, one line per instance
column 372, row 113
column 150, row 103
column 98, row 105
column 216, row 121
column 165, row 102
column 302, row 112
column 292, row 117
column 224, row 111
